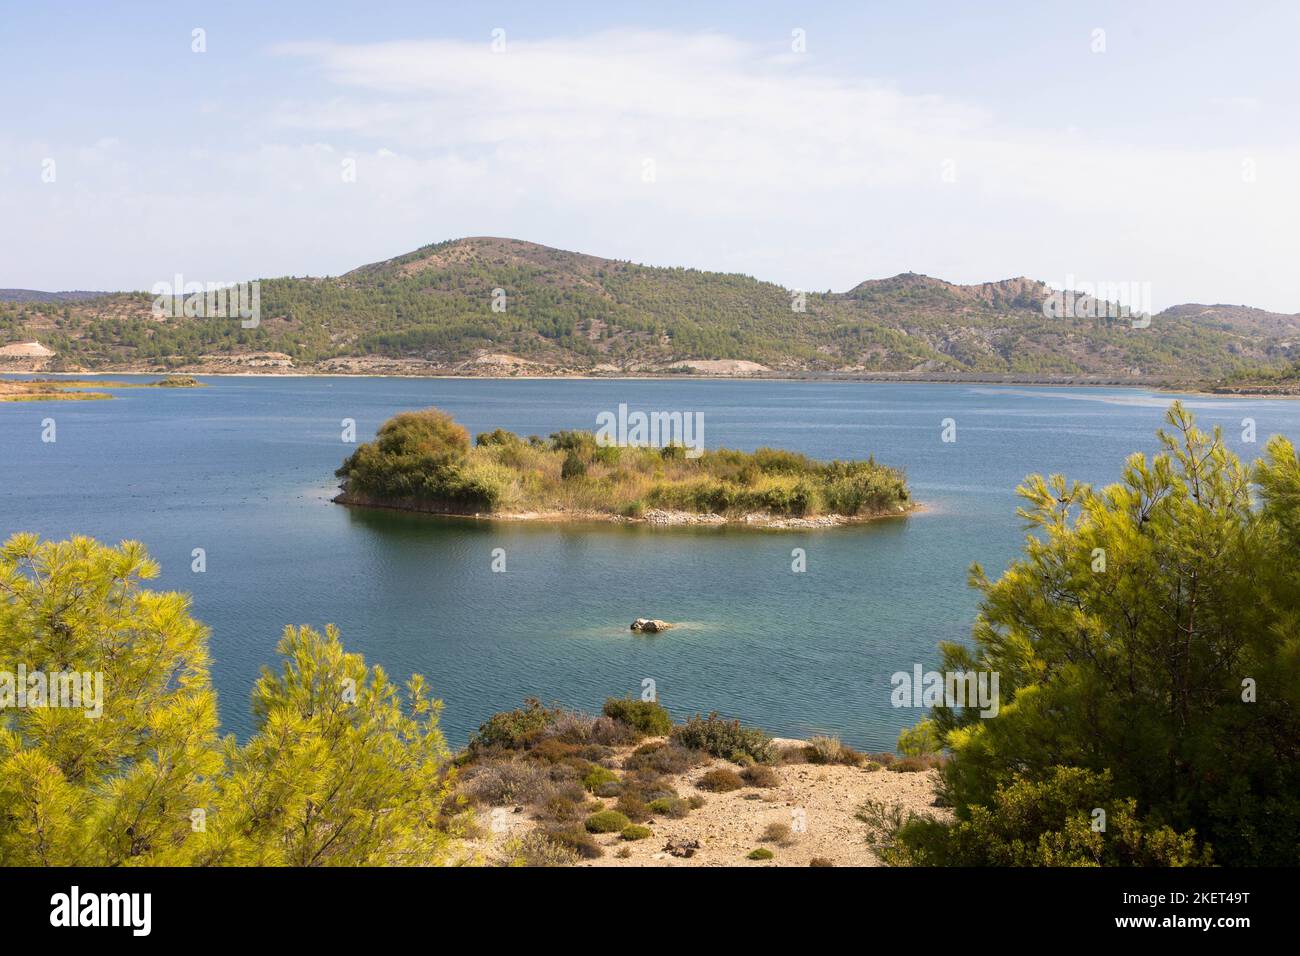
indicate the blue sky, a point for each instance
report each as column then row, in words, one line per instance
column 938, row 138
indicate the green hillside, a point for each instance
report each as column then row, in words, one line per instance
column 432, row 310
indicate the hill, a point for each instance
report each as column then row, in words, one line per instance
column 32, row 295
column 438, row 310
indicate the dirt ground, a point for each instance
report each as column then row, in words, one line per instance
column 817, row 802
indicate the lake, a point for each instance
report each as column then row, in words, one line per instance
column 244, row 469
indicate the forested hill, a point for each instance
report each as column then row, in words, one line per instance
column 438, row 309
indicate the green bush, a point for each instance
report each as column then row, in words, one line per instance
column 578, row 840
column 1039, row 823
column 514, row 729
column 635, row 832
column 920, row 740
column 720, row 781
column 498, row 437
column 537, row 848
column 1122, row 639
column 665, row 758
column 674, row 807
column 597, row 777
column 606, row 821
column 762, row 853
column 581, row 443
column 633, row 807
column 607, row 454
column 411, row 457
column 725, row 738
column 647, row 716
column 573, row 467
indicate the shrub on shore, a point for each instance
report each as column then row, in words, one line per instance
column 538, row 848
column 674, row 807
column 729, row 739
column 664, row 758
column 514, row 729
column 606, row 821
column 760, row 775
column 829, row 750
column 578, row 840
column 647, row 716
column 778, row 833
column 598, row 777
column 720, row 781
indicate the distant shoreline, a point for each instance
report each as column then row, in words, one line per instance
column 817, row 377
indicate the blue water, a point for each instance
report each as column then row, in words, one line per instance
column 243, row 469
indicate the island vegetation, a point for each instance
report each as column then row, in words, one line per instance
column 424, row 461
column 72, row 390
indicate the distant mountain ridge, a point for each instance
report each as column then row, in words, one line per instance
column 487, row 305
column 34, row 295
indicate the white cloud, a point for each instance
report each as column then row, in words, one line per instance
column 771, row 165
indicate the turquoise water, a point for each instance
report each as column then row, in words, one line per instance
column 243, row 469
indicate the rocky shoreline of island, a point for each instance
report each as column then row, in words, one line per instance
column 655, row 518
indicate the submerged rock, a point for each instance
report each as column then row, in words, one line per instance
column 649, row 625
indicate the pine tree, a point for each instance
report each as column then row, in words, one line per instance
column 1150, row 633
column 343, row 768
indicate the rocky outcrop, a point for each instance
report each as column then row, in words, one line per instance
column 649, row 625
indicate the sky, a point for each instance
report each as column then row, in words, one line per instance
column 810, row 144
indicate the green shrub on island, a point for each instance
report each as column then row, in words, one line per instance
column 423, row 459
column 635, row 831
column 648, row 716
column 762, row 853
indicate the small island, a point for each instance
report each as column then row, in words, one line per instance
column 423, row 461
column 78, row 390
